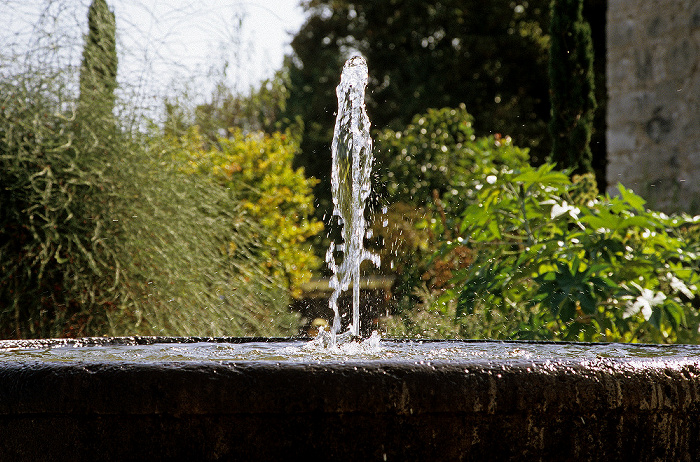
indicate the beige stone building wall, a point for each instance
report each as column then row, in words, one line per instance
column 653, row 78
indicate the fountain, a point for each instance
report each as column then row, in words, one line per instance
column 265, row 399
column 156, row 398
column 351, row 185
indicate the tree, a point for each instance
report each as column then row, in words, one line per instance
column 594, row 13
column 573, row 86
column 98, row 71
column 259, row 110
column 423, row 55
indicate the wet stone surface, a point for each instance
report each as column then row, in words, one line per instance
column 132, row 399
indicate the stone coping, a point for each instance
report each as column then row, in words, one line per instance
column 567, row 409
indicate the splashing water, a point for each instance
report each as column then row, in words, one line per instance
column 168, row 349
column 351, row 185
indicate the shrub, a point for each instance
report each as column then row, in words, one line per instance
column 258, row 167
column 549, row 267
column 101, row 236
column 427, row 172
column 56, row 254
column 438, row 152
column 189, row 253
column 101, row 230
column 507, row 250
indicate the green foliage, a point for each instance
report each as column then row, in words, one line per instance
column 100, row 236
column 548, row 269
column 438, row 152
column 55, row 246
column 189, row 253
column 586, row 190
column 572, row 82
column 424, row 156
column 259, row 110
column 102, row 232
column 426, row 169
column 506, row 250
column 271, row 193
column 430, row 318
column 98, row 71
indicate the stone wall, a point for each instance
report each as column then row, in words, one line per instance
column 653, row 78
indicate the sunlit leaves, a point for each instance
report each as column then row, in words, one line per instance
column 606, row 269
column 635, row 202
column 550, row 257
column 258, row 167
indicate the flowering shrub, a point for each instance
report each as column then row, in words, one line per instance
column 507, row 250
column 549, row 267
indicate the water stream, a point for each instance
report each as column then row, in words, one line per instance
column 351, row 185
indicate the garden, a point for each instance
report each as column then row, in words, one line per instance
column 207, row 218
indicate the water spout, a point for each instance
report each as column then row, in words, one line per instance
column 351, row 185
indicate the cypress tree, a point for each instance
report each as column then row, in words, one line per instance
column 98, row 71
column 571, row 86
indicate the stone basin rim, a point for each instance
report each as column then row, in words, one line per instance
column 151, row 340
column 464, row 409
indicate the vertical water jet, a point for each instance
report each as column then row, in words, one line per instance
column 351, row 185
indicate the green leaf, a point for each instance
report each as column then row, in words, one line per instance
column 635, row 201
column 675, row 313
column 545, row 175
column 587, row 302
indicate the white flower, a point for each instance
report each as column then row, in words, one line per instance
column 558, row 210
column 679, row 286
column 491, row 179
column 644, row 303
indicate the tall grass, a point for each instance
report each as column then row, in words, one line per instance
column 186, row 255
column 102, row 234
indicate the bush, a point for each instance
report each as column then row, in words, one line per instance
column 189, row 253
column 548, row 265
column 511, row 251
column 426, row 170
column 102, row 233
column 258, row 167
column 437, row 153
column 56, row 249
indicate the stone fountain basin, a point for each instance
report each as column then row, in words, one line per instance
column 104, row 399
